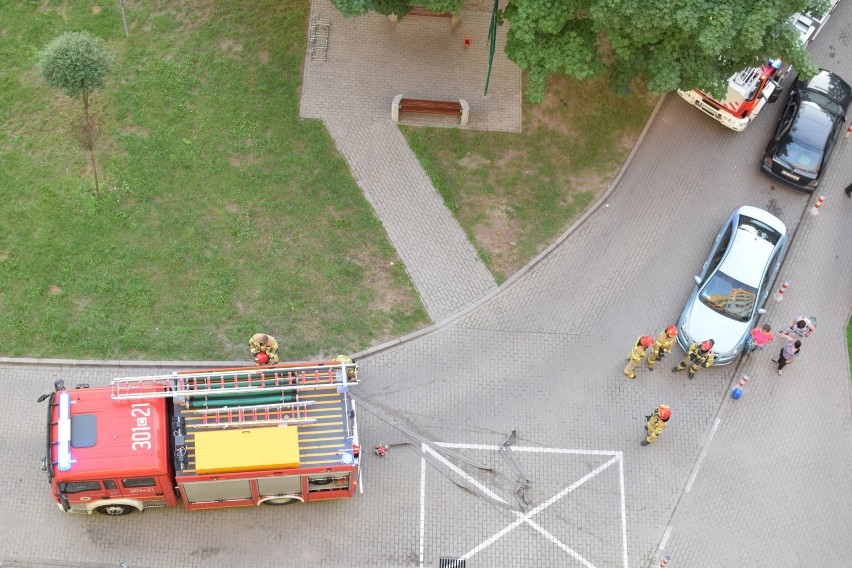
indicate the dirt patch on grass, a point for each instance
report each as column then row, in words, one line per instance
column 54, row 290
column 238, row 160
column 473, row 161
column 498, row 234
column 387, row 295
column 136, row 131
column 549, row 113
column 263, row 56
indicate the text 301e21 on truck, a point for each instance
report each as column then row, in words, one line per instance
column 225, row 438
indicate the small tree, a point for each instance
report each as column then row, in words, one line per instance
column 76, row 63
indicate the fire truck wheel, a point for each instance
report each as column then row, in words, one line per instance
column 115, row 510
column 280, row 501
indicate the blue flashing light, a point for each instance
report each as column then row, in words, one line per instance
column 775, row 63
column 64, row 432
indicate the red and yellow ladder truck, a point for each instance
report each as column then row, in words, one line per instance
column 232, row 437
column 748, row 92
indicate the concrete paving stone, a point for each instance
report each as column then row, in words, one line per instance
column 440, row 260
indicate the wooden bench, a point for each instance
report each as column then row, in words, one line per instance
column 454, row 19
column 458, row 108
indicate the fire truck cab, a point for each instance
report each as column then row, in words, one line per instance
column 108, row 456
column 748, row 92
column 224, row 438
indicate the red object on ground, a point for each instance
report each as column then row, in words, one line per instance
column 467, row 42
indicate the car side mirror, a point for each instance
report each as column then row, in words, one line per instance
column 776, row 92
column 697, row 279
column 761, row 311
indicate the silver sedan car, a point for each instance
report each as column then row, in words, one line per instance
column 734, row 282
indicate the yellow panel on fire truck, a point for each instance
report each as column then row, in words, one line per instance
column 247, row 449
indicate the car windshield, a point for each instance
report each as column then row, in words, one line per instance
column 822, row 101
column 729, row 296
column 799, row 156
column 762, row 230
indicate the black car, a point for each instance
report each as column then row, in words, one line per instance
column 810, row 126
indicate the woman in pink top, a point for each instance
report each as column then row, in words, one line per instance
column 760, row 336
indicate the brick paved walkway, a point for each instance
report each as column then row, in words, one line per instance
column 369, row 62
column 440, row 260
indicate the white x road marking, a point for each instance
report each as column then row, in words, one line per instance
column 524, row 517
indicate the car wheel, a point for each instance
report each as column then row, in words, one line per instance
column 115, row 510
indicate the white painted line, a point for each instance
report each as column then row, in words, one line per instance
column 524, row 517
column 555, row 541
column 462, row 474
column 422, row 503
column 701, row 457
column 528, row 449
column 666, row 536
column 623, row 510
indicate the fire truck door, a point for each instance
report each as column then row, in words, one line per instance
column 83, row 491
column 141, row 487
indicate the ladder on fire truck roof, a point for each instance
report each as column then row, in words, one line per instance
column 282, row 378
column 289, row 413
column 748, row 79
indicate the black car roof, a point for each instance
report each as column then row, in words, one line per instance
column 812, row 125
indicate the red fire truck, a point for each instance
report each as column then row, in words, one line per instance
column 748, row 92
column 224, row 438
column 750, row 89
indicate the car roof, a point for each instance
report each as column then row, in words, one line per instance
column 812, row 125
column 832, row 86
column 747, row 258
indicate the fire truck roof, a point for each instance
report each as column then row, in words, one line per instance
column 111, row 439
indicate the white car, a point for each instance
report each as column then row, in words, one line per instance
column 734, row 283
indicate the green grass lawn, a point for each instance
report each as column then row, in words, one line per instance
column 222, row 214
column 515, row 193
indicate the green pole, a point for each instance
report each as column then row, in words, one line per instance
column 492, row 38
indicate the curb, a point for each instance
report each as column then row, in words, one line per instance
column 531, row 264
column 399, row 340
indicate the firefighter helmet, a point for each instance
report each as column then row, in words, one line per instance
column 261, row 358
column 707, row 344
column 664, row 412
column 671, row 331
column 646, row 341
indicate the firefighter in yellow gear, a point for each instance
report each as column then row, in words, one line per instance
column 262, row 343
column 656, row 423
column 637, row 354
column 351, row 374
column 698, row 355
column 662, row 345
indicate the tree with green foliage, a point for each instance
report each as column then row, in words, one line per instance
column 671, row 44
column 352, row 8
column 76, row 63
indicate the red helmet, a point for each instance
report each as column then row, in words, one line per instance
column 671, row 331
column 646, row 341
column 664, row 412
column 707, row 344
column 261, row 358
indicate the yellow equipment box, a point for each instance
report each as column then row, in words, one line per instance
column 247, row 449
